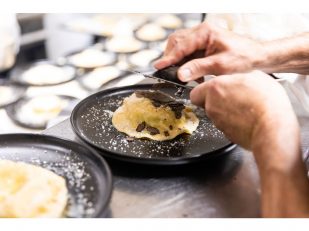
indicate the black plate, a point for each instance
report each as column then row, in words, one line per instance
column 91, row 121
column 16, row 75
column 13, row 111
column 18, row 90
column 88, row 177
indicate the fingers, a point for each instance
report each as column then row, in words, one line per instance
column 197, row 68
column 165, row 61
column 209, row 90
column 198, row 94
column 183, row 43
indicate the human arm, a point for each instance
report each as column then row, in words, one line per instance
column 224, row 52
column 254, row 111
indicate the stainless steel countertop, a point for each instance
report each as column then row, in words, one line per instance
column 224, row 187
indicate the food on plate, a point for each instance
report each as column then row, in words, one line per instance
column 39, row 110
column 123, row 44
column 107, row 24
column 29, row 191
column 169, row 21
column 154, row 115
column 151, row 32
column 143, row 58
column 6, row 95
column 41, row 74
column 100, row 76
column 91, row 58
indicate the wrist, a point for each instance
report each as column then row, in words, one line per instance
column 260, row 58
column 284, row 55
column 276, row 143
column 266, row 59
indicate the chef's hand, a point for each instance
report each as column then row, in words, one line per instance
column 241, row 104
column 224, row 52
column 254, row 111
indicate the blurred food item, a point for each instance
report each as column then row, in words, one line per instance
column 39, row 110
column 192, row 23
column 162, row 45
column 110, row 24
column 9, row 40
column 95, row 79
column 92, row 58
column 28, row 191
column 6, row 94
column 151, row 32
column 169, row 21
column 154, row 115
column 85, row 25
column 107, row 23
column 124, row 44
column 143, row 58
column 45, row 73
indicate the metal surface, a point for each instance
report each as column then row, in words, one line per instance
column 227, row 187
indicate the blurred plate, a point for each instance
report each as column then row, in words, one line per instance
column 16, row 111
column 124, row 45
column 87, row 175
column 10, row 93
column 107, row 58
column 22, row 74
column 96, row 79
column 91, row 121
column 151, row 33
column 142, row 60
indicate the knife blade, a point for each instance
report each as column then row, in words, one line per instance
column 160, row 79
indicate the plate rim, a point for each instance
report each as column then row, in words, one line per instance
column 140, row 160
column 8, row 83
column 91, row 153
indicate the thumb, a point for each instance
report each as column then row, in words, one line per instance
column 197, row 68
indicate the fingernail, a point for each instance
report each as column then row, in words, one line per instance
column 185, row 74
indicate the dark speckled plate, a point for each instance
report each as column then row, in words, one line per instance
column 91, row 121
column 87, row 175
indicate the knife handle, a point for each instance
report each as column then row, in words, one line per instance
column 169, row 73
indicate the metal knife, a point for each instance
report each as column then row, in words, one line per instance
column 164, row 76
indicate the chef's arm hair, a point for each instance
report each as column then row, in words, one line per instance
column 287, row 55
